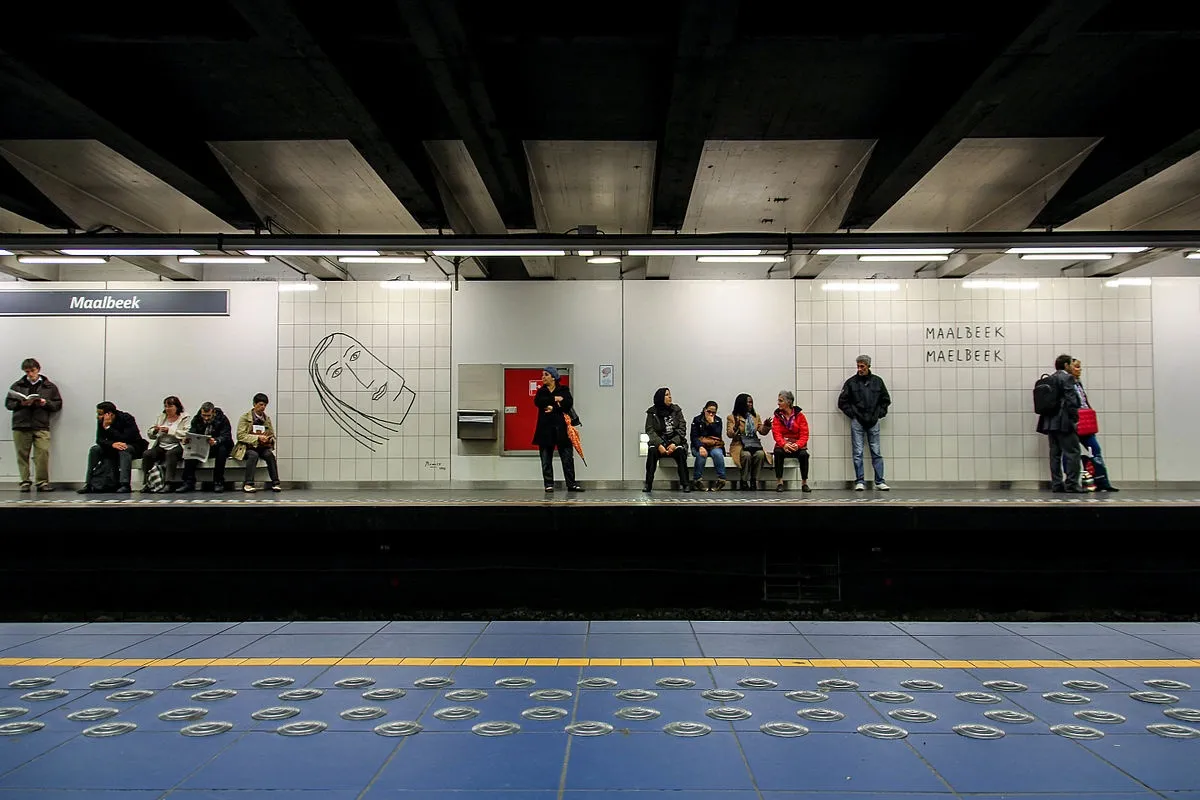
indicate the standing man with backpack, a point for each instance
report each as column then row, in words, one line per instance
column 1057, row 405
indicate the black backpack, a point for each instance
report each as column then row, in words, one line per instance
column 1045, row 396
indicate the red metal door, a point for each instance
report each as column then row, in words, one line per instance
column 520, row 415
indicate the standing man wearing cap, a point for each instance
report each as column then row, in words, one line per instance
column 553, row 401
column 865, row 400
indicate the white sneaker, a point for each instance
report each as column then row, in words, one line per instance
column 859, row 487
column 881, row 486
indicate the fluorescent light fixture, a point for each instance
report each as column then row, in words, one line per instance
column 297, row 286
column 1066, row 256
column 394, row 285
column 222, row 260
column 741, row 259
column 861, row 286
column 1101, row 250
column 1127, row 282
column 1194, row 255
column 604, row 260
column 129, row 251
column 496, row 253
column 62, row 260
column 5, row 253
column 382, row 259
column 315, row 253
column 586, row 253
column 885, row 251
column 981, row 283
column 905, row 258
column 695, row 252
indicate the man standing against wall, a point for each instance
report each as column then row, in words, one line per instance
column 32, row 400
column 865, row 400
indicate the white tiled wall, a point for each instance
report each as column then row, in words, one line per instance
column 973, row 421
column 406, row 329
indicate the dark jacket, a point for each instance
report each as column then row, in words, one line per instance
column 551, row 427
column 701, row 429
column 35, row 417
column 124, row 429
column 218, row 429
column 864, row 398
column 656, row 428
column 1069, row 404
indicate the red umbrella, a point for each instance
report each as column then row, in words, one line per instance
column 573, row 435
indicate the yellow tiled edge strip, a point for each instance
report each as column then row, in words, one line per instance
column 589, row 662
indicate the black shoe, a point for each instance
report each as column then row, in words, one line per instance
column 124, row 488
column 218, row 487
column 574, row 487
column 85, row 490
column 549, row 487
column 646, row 487
column 185, row 487
column 1109, row 488
column 780, row 487
column 1057, row 489
column 687, row 488
column 804, row 487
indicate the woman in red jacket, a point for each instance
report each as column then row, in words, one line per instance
column 790, row 429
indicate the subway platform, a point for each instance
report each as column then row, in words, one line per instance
column 635, row 710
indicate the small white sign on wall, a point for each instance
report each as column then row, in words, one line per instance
column 607, row 375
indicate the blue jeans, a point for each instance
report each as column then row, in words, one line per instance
column 856, row 445
column 1089, row 442
column 718, row 458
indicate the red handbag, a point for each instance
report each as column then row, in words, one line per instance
column 1088, row 424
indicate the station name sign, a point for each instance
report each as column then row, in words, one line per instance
column 140, row 303
column 977, row 345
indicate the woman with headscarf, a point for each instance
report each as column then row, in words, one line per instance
column 668, row 438
column 554, row 402
column 744, row 427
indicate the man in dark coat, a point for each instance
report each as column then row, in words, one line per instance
column 865, row 400
column 1059, row 428
column 117, row 439
column 210, row 422
column 33, row 400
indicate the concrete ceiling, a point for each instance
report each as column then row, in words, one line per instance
column 722, row 116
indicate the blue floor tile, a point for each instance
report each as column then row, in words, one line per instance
column 876, row 679
column 645, row 677
column 8, row 640
column 658, row 794
column 543, row 677
column 416, row 645
column 12, row 697
column 70, row 794
column 36, row 628
column 502, row 645
column 18, row 750
column 879, row 796
column 675, row 706
column 400, row 677
column 1142, row 628
column 243, row 677
column 986, row 648
column 261, row 794
column 328, row 760
column 331, row 627
column 640, row 626
column 466, row 761
column 298, row 645
column 206, row 628
column 742, row 628
column 1046, row 679
column 951, row 711
column 951, row 628
column 161, row 678
column 1187, row 645
column 657, row 761
column 729, row 645
column 642, row 645
column 256, row 628
column 1134, row 676
column 1137, row 714
column 1055, row 628
column 1144, row 795
column 541, row 628
column 375, row 793
column 162, row 647
column 124, row 628
column 138, row 760
column 1019, row 764
column 329, row 707
column 67, row 645
column 774, row 708
column 900, row 647
column 837, row 762
column 788, row 678
column 80, row 677
column 1114, row 646
column 849, row 628
column 235, row 710
column 498, row 706
column 223, row 645
column 434, row 627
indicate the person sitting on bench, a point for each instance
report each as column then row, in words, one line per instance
column 210, row 422
column 255, row 440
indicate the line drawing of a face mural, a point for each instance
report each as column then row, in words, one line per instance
column 365, row 397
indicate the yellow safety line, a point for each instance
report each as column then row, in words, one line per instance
column 853, row 663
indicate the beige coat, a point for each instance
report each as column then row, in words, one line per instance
column 734, row 428
column 245, row 438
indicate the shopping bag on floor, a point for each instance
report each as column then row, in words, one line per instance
column 155, row 479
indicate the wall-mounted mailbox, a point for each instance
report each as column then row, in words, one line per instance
column 478, row 424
